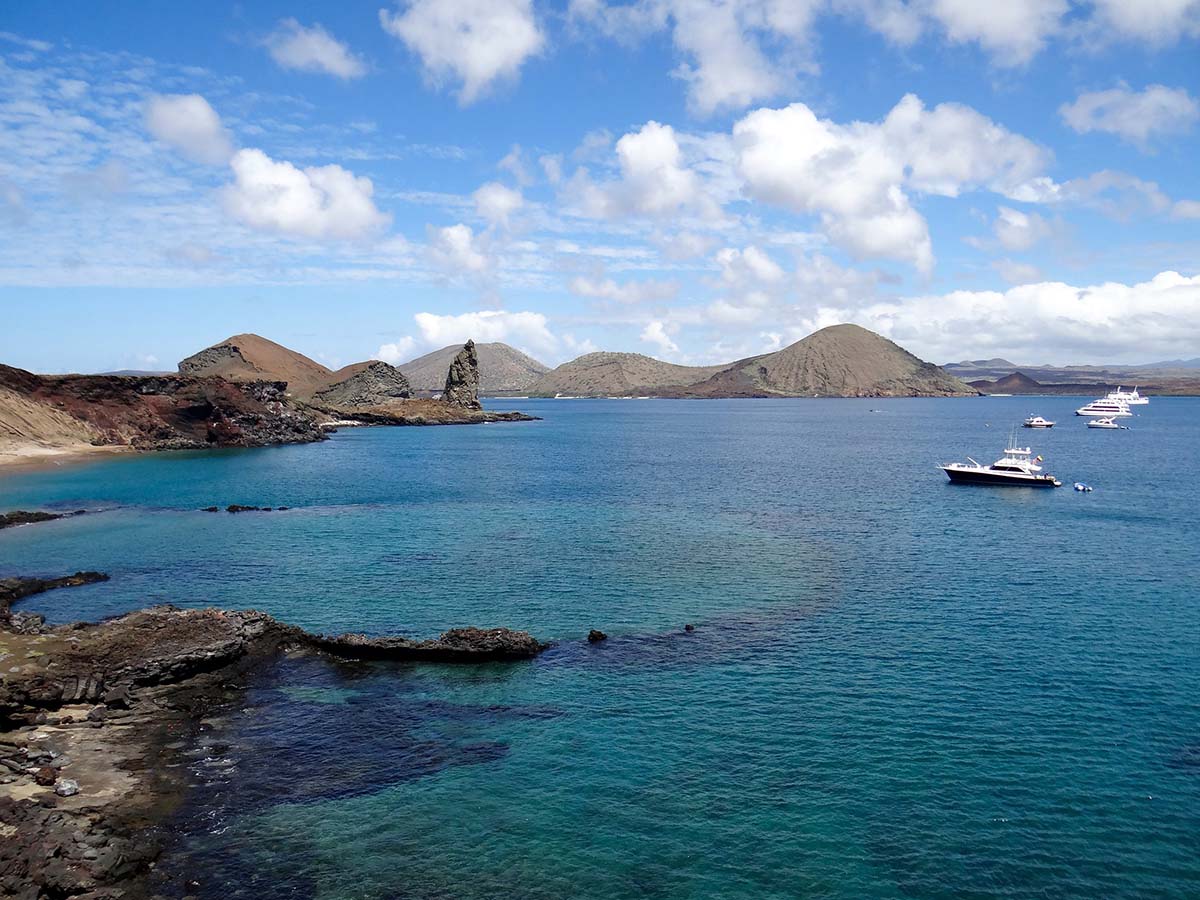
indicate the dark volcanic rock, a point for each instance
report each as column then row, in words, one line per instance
column 595, row 637
column 83, row 796
column 14, row 589
column 374, row 384
column 462, row 381
column 456, row 645
column 23, row 517
column 169, row 412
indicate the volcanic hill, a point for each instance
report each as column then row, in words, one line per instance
column 502, row 369
column 839, row 361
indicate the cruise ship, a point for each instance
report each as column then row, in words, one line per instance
column 1104, row 407
column 1129, row 398
column 1016, row 467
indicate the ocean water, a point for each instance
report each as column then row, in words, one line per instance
column 896, row 687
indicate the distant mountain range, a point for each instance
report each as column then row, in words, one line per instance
column 998, row 368
column 839, row 361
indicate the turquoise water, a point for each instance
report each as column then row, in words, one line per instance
column 896, row 687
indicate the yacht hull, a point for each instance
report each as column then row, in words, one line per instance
column 984, row 476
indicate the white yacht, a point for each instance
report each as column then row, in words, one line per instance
column 1037, row 422
column 1129, row 398
column 1104, row 407
column 1106, row 423
column 1017, row 467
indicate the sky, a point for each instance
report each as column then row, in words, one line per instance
column 698, row 180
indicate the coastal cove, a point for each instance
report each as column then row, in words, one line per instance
column 895, row 686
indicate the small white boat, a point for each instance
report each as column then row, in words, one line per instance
column 1109, row 423
column 1017, row 466
column 1129, row 398
column 1104, row 407
column 1083, row 488
column 1038, row 422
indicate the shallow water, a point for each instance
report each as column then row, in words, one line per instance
column 896, row 687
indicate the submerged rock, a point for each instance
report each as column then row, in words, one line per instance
column 14, row 589
column 595, row 637
column 25, row 517
column 456, row 645
column 462, row 381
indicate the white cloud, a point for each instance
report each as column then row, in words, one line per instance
column 12, row 204
column 1136, row 116
column 1186, row 209
column 749, row 266
column 495, row 203
column 398, row 352
column 655, row 181
column 1016, row 230
column 738, row 52
column 313, row 49
column 855, row 176
column 1111, row 322
column 1012, row 30
column 627, row 292
column 191, row 126
column 1153, row 21
column 314, row 202
column 523, row 329
column 684, row 245
column 656, row 333
column 477, row 42
column 1015, row 272
column 455, row 250
column 1116, row 194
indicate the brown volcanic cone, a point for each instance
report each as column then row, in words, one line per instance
column 248, row 357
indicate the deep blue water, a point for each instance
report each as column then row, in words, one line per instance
column 896, row 687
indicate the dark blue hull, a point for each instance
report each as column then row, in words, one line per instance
column 961, row 476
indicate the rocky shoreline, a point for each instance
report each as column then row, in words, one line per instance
column 95, row 718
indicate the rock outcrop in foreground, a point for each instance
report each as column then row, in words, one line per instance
column 170, row 412
column 95, row 719
column 364, row 385
column 462, row 381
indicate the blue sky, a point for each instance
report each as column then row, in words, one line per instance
column 699, row 180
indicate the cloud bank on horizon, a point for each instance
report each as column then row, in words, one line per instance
column 696, row 179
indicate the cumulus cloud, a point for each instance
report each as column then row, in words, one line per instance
column 495, row 202
column 397, row 352
column 314, row 49
column 314, row 202
column 475, row 42
column 1113, row 322
column 654, row 180
column 626, row 292
column 190, row 125
column 527, row 330
column 656, row 333
column 856, row 176
column 1013, row 30
column 1016, row 230
column 1136, row 116
column 455, row 250
column 1152, row 21
column 734, row 53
